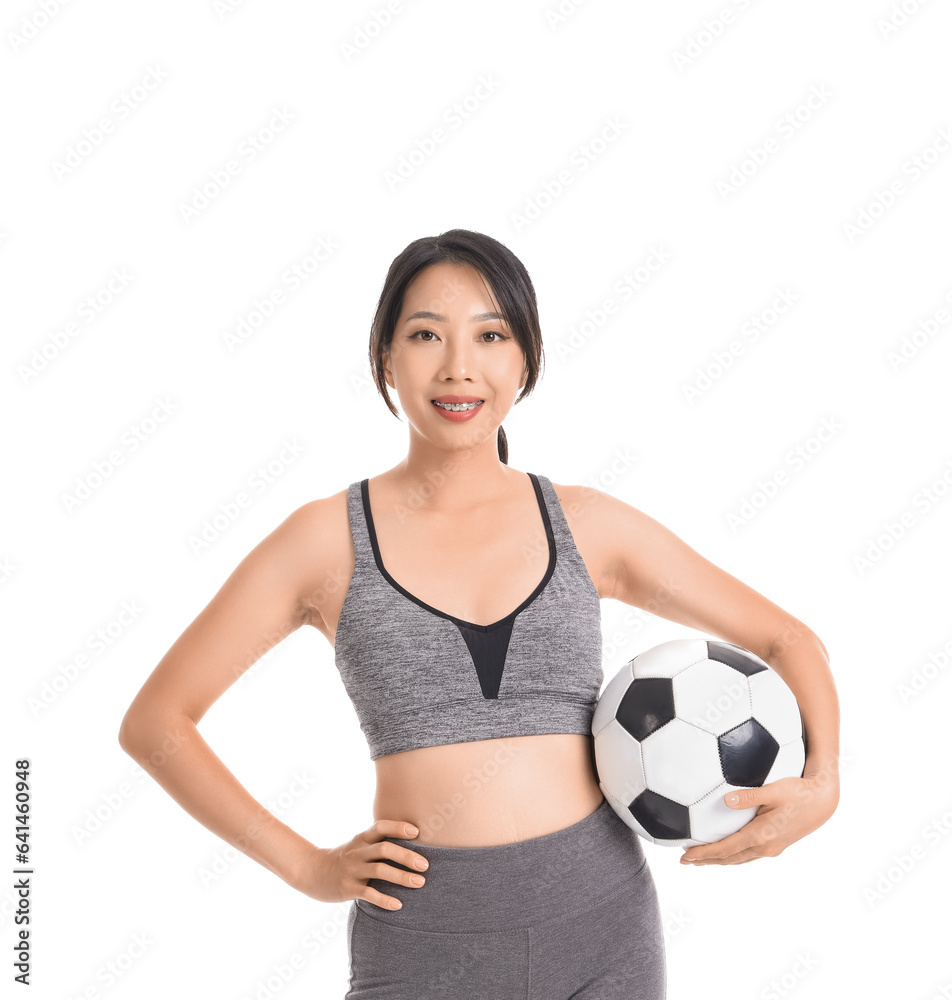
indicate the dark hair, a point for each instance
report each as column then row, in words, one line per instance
column 508, row 281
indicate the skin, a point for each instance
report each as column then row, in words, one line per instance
column 481, row 512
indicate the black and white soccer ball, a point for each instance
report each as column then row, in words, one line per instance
column 684, row 723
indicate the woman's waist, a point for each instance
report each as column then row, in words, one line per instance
column 488, row 792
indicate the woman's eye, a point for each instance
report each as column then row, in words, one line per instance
column 423, row 334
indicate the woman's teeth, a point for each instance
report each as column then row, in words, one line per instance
column 458, row 406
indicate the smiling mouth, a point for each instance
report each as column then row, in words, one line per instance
column 457, row 407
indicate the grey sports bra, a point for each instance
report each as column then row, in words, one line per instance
column 419, row 677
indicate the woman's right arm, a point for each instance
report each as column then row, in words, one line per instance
column 260, row 603
column 264, row 600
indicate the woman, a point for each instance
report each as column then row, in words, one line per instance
column 462, row 599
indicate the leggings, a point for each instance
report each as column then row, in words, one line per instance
column 570, row 915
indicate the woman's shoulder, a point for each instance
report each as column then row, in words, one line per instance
column 318, row 547
column 599, row 520
column 321, row 519
column 578, row 499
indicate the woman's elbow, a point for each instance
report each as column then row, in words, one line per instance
column 130, row 733
column 152, row 740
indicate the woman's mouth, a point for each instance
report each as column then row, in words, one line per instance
column 457, row 411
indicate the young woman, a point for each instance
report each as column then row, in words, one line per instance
column 462, row 598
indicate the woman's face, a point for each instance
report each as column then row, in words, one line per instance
column 450, row 340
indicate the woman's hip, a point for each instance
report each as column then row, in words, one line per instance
column 476, row 889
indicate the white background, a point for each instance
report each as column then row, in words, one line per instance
column 115, row 856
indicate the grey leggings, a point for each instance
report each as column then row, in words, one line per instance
column 571, row 915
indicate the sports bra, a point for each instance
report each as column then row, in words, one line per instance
column 419, row 677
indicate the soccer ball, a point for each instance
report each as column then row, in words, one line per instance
column 682, row 724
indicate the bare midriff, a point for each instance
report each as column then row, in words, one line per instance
column 489, row 792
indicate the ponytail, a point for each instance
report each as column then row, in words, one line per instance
column 502, row 446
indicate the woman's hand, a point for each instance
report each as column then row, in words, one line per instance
column 790, row 808
column 336, row 874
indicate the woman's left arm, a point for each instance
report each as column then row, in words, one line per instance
column 646, row 565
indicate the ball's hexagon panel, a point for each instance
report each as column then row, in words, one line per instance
column 713, row 819
column 668, row 658
column 618, row 762
column 789, row 762
column 711, row 696
column 666, row 755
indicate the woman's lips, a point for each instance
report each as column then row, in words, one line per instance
column 457, row 416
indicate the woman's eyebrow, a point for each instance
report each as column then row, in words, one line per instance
column 438, row 318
